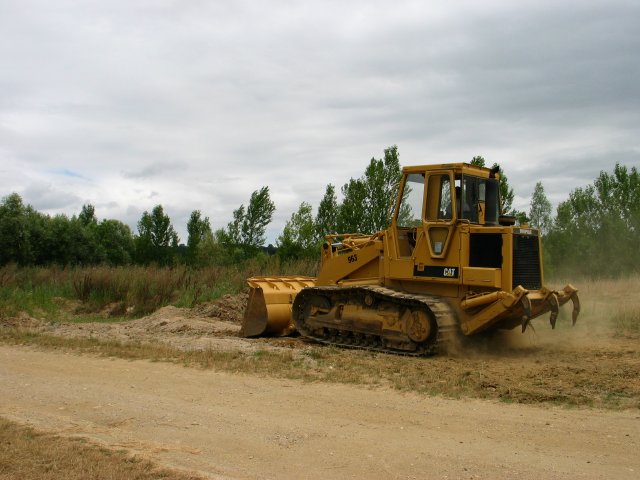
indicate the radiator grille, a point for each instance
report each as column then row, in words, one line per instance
column 526, row 262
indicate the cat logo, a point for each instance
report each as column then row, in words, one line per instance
column 449, row 272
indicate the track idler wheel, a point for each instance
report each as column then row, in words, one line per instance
column 419, row 325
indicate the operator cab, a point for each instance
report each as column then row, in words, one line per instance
column 436, row 198
column 449, row 196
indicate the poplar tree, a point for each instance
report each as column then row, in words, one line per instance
column 369, row 200
column 540, row 211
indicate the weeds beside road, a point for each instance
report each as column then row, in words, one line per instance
column 125, row 291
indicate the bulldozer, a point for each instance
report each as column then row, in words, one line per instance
column 449, row 266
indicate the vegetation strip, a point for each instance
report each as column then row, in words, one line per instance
column 117, row 292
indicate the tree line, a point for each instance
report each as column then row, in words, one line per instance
column 29, row 237
column 596, row 231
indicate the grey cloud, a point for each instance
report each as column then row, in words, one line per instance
column 565, row 67
column 108, row 205
column 155, row 169
column 45, row 196
column 573, row 170
column 195, row 105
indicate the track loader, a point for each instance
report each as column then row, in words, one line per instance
column 450, row 265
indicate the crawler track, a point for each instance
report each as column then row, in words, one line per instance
column 447, row 325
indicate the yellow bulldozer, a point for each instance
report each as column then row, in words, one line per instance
column 450, row 265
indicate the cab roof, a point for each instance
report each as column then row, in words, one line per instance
column 458, row 168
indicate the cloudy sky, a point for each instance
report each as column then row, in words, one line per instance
column 194, row 104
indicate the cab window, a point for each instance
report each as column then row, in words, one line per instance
column 410, row 213
column 444, row 209
column 439, row 201
column 478, row 193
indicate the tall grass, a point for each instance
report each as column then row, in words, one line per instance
column 608, row 304
column 134, row 290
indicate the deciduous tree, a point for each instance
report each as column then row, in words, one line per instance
column 88, row 215
column 326, row 221
column 116, row 240
column 15, row 244
column 540, row 210
column 506, row 192
column 368, row 201
column 157, row 240
column 478, row 161
column 298, row 238
column 353, row 208
column 259, row 214
column 597, row 229
column 198, row 229
column 245, row 234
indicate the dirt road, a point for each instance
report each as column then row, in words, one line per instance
column 239, row 426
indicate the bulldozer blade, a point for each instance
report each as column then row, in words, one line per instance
column 268, row 310
column 555, row 307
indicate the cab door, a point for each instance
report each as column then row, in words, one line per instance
column 437, row 253
column 440, row 216
column 423, row 229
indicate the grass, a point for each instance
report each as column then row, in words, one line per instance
column 126, row 291
column 609, row 305
column 30, row 455
column 626, row 320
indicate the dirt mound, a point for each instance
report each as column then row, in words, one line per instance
column 230, row 308
column 166, row 321
column 210, row 325
column 213, row 325
column 181, row 320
